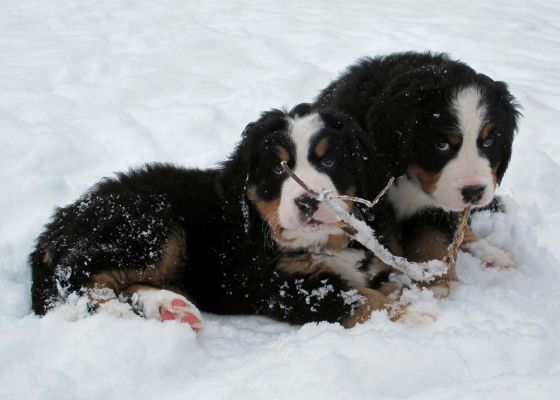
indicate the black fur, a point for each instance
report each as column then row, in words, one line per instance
column 230, row 267
column 403, row 102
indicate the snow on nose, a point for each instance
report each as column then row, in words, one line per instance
column 306, row 205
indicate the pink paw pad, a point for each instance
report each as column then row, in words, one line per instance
column 179, row 311
column 491, row 264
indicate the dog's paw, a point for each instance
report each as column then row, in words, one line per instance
column 165, row 305
column 116, row 308
column 491, row 256
column 442, row 288
column 418, row 315
column 419, row 307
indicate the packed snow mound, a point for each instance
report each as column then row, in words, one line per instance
column 88, row 88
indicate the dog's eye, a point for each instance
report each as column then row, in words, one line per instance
column 327, row 162
column 278, row 169
column 487, row 142
column 443, row 146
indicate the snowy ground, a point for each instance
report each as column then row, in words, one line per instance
column 92, row 87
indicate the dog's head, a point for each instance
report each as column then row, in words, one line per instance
column 449, row 129
column 327, row 151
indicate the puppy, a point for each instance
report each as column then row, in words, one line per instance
column 446, row 132
column 165, row 242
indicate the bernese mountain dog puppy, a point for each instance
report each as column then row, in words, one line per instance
column 164, row 241
column 445, row 130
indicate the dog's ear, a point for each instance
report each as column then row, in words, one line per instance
column 370, row 171
column 234, row 171
column 301, row 110
column 509, row 111
column 375, row 172
column 237, row 168
column 394, row 116
column 234, row 176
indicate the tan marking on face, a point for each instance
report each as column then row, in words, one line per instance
column 282, row 153
column 337, row 242
column 349, row 230
column 454, row 139
column 106, row 285
column 268, row 211
column 428, row 180
column 486, row 131
column 322, row 147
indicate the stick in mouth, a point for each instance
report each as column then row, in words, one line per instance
column 361, row 232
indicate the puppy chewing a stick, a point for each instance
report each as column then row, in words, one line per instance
column 424, row 271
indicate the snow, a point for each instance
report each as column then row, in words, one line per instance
column 92, row 87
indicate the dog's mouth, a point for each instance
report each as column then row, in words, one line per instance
column 311, row 226
column 312, row 222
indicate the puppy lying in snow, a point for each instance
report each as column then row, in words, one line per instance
column 447, row 133
column 241, row 239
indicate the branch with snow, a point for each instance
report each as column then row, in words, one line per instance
column 361, row 232
column 458, row 237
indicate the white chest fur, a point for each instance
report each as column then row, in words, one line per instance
column 407, row 197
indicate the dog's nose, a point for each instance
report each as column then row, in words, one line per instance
column 472, row 194
column 306, row 205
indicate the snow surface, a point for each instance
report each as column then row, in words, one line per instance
column 92, row 87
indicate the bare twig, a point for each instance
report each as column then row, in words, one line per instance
column 353, row 199
column 297, row 179
column 458, row 237
column 368, row 203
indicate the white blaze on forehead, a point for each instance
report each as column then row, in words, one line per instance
column 470, row 113
column 302, row 131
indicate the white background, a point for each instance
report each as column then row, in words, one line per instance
column 92, row 87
